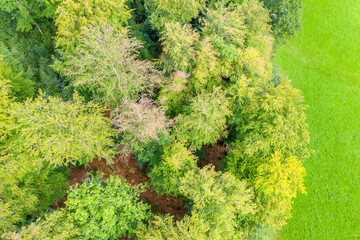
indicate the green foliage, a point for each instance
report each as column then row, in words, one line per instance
column 285, row 16
column 175, row 94
column 164, row 11
column 176, row 161
column 106, row 61
column 21, row 86
column 29, row 13
column 26, row 60
column 150, row 154
column 53, row 226
column 26, row 187
column 75, row 15
column 217, row 198
column 5, row 118
column 241, row 36
column 163, row 227
column 270, row 120
column 106, row 209
column 204, row 122
column 178, row 45
column 61, row 132
column 139, row 123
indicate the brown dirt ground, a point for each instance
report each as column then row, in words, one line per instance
column 214, row 154
column 125, row 166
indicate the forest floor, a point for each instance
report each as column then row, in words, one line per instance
column 125, row 166
column 323, row 60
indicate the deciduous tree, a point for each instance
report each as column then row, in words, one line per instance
column 61, row 132
column 106, row 60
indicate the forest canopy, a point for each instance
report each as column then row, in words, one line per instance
column 90, row 87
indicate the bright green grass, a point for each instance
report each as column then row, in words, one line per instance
column 324, row 62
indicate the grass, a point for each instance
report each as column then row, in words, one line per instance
column 323, row 60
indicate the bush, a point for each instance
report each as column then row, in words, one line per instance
column 106, row 209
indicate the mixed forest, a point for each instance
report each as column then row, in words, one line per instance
column 148, row 119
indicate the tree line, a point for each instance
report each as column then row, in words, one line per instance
column 175, row 76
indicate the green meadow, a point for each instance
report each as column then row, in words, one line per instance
column 323, row 60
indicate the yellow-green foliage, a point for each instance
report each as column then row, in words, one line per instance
column 53, row 226
column 241, row 35
column 270, row 119
column 205, row 73
column 204, row 121
column 176, row 161
column 163, row 227
column 74, row 15
column 217, row 198
column 27, row 186
column 165, row 11
column 106, row 60
column 5, row 118
column 178, row 45
column 277, row 181
column 61, row 132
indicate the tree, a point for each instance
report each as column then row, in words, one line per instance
column 27, row 187
column 236, row 31
column 28, row 56
column 106, row 61
column 277, row 181
column 161, row 12
column 106, row 209
column 75, row 15
column 179, row 46
column 53, row 226
column 21, row 86
column 269, row 120
column 5, row 118
column 140, row 123
column 204, row 122
column 30, row 13
column 176, row 161
column 285, row 16
column 163, row 227
column 217, row 198
column 61, row 132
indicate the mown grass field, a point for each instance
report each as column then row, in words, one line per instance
column 323, row 60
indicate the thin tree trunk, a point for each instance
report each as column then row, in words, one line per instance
column 28, row 11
